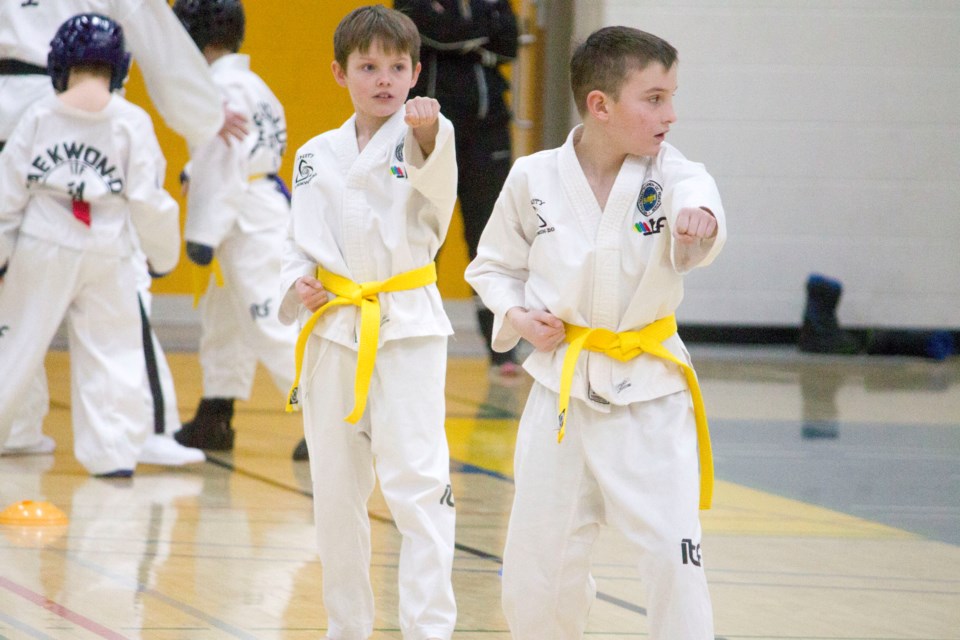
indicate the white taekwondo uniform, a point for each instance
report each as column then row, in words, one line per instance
column 630, row 452
column 59, row 266
column 234, row 205
column 368, row 216
column 177, row 77
column 187, row 100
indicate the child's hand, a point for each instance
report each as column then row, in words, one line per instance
column 311, row 292
column 542, row 329
column 421, row 111
column 693, row 225
column 234, row 125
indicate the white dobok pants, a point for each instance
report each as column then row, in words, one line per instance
column 239, row 323
column 27, row 430
column 634, row 468
column 400, row 439
column 97, row 294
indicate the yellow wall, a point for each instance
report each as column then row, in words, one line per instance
column 291, row 46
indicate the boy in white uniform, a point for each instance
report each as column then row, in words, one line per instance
column 372, row 203
column 80, row 196
column 189, row 103
column 237, row 209
column 586, row 249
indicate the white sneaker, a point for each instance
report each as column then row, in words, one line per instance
column 168, row 452
column 45, row 445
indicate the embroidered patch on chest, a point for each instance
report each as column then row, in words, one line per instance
column 542, row 225
column 397, row 169
column 305, row 170
column 650, row 197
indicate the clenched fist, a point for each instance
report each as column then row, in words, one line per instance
column 421, row 111
column 693, row 225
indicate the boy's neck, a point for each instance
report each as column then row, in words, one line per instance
column 86, row 91
column 367, row 127
column 600, row 160
column 213, row 53
column 598, row 155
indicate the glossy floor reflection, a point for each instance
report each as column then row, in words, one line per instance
column 837, row 515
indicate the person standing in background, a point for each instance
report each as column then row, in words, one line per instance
column 189, row 103
column 237, row 214
column 464, row 45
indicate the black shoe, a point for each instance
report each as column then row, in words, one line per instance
column 119, row 473
column 210, row 428
column 301, row 453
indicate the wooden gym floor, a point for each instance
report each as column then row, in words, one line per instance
column 837, row 515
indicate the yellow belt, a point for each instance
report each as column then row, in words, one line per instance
column 365, row 296
column 201, row 279
column 625, row 346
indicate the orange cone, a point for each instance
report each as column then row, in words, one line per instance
column 32, row 513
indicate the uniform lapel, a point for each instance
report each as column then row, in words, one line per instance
column 577, row 189
column 620, row 204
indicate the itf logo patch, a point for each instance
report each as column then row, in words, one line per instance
column 397, row 169
column 650, row 197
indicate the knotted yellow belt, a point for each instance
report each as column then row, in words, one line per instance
column 625, row 346
column 365, row 296
column 201, row 278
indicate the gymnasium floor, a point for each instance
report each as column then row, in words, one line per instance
column 837, row 515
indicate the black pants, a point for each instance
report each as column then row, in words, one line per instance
column 483, row 162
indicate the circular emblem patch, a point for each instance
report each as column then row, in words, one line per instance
column 649, row 200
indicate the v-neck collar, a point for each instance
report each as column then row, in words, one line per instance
column 596, row 223
column 361, row 161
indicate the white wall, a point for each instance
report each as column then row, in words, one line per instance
column 833, row 130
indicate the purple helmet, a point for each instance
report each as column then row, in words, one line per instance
column 217, row 22
column 84, row 39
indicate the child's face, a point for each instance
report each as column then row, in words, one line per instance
column 378, row 81
column 642, row 115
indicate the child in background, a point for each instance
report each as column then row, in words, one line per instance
column 584, row 257
column 80, row 189
column 372, row 203
column 238, row 211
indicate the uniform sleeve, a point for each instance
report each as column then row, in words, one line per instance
column 294, row 265
column 177, row 76
column 154, row 213
column 13, row 186
column 502, row 29
column 687, row 184
column 500, row 271
column 445, row 28
column 436, row 176
column 218, row 170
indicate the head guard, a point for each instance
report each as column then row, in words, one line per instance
column 86, row 39
column 216, row 22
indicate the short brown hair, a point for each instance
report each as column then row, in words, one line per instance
column 604, row 59
column 395, row 32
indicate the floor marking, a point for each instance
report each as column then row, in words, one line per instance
column 60, row 610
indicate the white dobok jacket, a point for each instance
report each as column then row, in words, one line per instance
column 369, row 216
column 228, row 182
column 108, row 159
column 549, row 246
column 177, row 77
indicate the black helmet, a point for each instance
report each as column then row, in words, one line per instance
column 216, row 22
column 83, row 39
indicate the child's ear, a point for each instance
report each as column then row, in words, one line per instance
column 416, row 75
column 597, row 102
column 339, row 73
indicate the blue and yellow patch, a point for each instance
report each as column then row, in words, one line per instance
column 650, row 197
